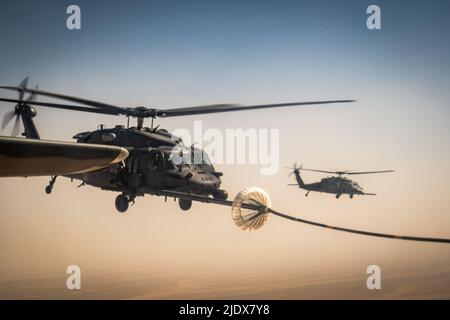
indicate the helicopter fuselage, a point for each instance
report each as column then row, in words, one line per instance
column 334, row 185
column 157, row 161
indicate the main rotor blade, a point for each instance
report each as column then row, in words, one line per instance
column 348, row 172
column 95, row 104
column 32, row 97
column 323, row 171
column 62, row 106
column 216, row 108
column 368, row 172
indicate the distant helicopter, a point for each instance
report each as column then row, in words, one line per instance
column 337, row 185
column 138, row 161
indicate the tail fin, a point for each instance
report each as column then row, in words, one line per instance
column 298, row 178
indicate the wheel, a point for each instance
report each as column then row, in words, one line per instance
column 48, row 189
column 185, row 204
column 351, row 196
column 337, row 196
column 121, row 203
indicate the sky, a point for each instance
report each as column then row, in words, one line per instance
column 173, row 54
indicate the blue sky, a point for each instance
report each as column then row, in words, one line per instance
column 219, row 38
column 169, row 53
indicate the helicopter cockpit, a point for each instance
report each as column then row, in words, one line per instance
column 180, row 156
column 356, row 186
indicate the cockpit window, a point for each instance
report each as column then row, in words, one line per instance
column 189, row 156
column 206, row 160
column 356, row 185
column 169, row 163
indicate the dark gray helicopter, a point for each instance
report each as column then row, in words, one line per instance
column 337, row 185
column 157, row 162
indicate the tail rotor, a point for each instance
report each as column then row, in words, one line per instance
column 19, row 108
column 295, row 169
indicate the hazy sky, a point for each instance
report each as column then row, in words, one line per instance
column 182, row 53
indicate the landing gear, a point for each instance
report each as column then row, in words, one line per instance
column 337, row 196
column 351, row 196
column 185, row 204
column 306, row 194
column 49, row 187
column 122, row 203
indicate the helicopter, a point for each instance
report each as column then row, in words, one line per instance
column 153, row 161
column 337, row 185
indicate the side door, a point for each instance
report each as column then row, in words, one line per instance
column 153, row 167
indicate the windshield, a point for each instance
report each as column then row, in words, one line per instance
column 189, row 156
column 356, row 185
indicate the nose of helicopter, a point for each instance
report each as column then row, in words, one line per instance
column 204, row 181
